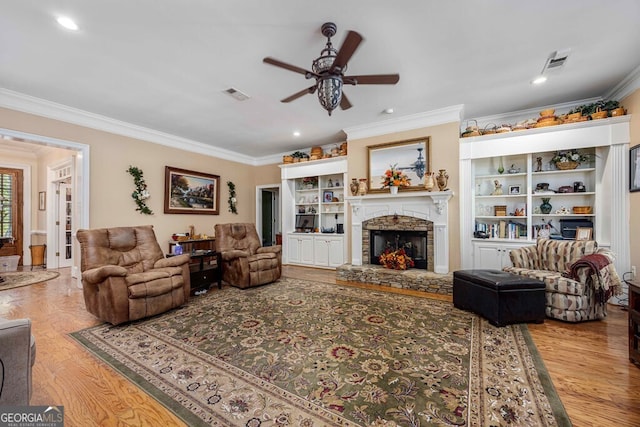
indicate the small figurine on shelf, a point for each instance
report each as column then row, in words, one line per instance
column 498, row 188
column 538, row 164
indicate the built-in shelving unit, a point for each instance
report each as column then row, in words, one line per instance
column 313, row 212
column 600, row 184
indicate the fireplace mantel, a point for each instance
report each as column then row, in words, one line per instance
column 431, row 206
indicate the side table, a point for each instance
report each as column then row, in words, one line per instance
column 204, row 270
column 634, row 322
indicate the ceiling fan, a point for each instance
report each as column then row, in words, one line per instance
column 329, row 68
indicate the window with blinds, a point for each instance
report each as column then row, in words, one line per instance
column 6, row 201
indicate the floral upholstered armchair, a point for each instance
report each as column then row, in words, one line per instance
column 579, row 277
column 245, row 262
column 126, row 277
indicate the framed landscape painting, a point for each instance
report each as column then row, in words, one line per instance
column 189, row 192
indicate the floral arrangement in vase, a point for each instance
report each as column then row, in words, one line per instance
column 394, row 177
column 395, row 260
column 310, row 181
column 569, row 159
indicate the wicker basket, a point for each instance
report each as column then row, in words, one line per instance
column 582, row 210
column 287, row 159
column 565, row 166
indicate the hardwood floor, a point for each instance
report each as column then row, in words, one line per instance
column 588, row 362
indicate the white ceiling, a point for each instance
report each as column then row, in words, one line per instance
column 164, row 64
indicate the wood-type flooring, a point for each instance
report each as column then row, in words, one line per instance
column 588, row 362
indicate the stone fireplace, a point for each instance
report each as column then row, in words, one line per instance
column 405, row 216
column 422, row 210
column 393, row 232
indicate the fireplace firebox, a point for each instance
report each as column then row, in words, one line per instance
column 413, row 242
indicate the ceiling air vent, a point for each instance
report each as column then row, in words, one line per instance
column 556, row 60
column 235, row 93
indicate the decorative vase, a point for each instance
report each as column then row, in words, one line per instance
column 354, row 187
column 429, row 181
column 393, row 189
column 545, row 207
column 442, row 179
column 362, row 187
column 501, row 167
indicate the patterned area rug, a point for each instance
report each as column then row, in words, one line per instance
column 15, row 279
column 304, row 353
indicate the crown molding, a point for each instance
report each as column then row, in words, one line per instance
column 414, row 121
column 626, row 87
column 40, row 107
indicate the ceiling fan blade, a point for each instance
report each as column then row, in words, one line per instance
column 347, row 49
column 272, row 61
column 373, row 79
column 297, row 95
column 344, row 102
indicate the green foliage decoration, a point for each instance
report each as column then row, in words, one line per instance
column 232, row 197
column 140, row 194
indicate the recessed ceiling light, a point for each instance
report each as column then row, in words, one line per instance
column 388, row 111
column 67, row 23
column 296, row 133
column 539, row 80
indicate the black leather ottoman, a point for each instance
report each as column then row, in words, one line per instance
column 502, row 298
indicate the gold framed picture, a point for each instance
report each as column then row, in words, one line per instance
column 584, row 233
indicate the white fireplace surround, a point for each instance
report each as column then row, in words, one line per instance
column 430, row 206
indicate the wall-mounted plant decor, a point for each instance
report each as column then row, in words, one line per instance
column 140, row 194
column 232, row 197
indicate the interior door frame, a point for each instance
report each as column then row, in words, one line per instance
column 82, row 173
column 278, row 211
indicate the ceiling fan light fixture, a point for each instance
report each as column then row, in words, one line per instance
column 330, row 92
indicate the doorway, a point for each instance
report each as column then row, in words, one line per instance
column 268, row 214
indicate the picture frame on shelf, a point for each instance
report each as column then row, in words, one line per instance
column 190, row 192
column 634, row 168
column 412, row 157
column 327, row 196
column 514, row 190
column 584, row 233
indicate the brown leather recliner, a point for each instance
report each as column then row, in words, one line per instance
column 245, row 262
column 126, row 277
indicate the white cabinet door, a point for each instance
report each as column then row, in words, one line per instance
column 293, row 249
column 491, row 256
column 329, row 251
column 299, row 249
column 336, row 251
column 306, row 250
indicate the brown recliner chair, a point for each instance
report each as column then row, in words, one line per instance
column 245, row 262
column 126, row 277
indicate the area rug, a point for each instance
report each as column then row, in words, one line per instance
column 305, row 353
column 15, row 279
